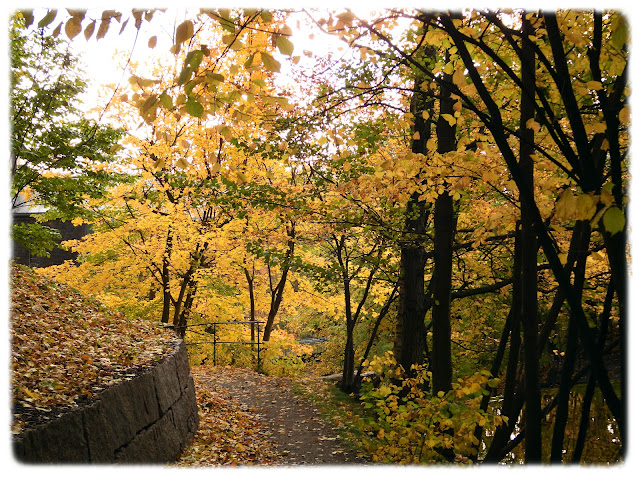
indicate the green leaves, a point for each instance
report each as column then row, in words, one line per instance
column 166, row 101
column 48, row 18
column 284, row 45
column 194, row 107
column 620, row 34
column 613, row 220
column 270, row 63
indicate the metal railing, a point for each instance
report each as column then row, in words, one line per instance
column 213, row 331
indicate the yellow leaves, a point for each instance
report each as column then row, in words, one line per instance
column 48, row 18
column 489, row 176
column 152, row 42
column 242, row 177
column 600, row 127
column 533, row 125
column 566, row 205
column 594, row 85
column 233, row 42
column 346, row 17
column 104, row 25
column 459, row 78
column 625, row 115
column 620, row 35
column 30, row 394
column 450, row 119
column 58, row 337
column 613, row 220
column 571, row 207
column 225, row 132
column 159, row 163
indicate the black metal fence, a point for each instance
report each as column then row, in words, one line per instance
column 211, row 329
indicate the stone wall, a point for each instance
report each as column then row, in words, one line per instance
column 147, row 419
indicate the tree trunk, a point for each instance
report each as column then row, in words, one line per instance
column 252, row 303
column 533, row 419
column 278, row 292
column 410, row 329
column 562, row 410
column 166, row 289
column 444, row 228
column 441, row 310
column 502, row 432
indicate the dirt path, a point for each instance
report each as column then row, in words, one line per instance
column 290, row 422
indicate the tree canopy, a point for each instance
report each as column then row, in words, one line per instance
column 443, row 198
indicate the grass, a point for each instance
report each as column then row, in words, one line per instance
column 337, row 407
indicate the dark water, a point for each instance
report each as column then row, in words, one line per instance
column 602, row 445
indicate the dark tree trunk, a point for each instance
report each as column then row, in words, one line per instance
column 348, row 365
column 444, row 223
column 583, row 229
column 443, row 243
column 381, row 315
column 502, row 433
column 252, row 303
column 444, row 229
column 533, row 419
column 410, row 329
column 495, row 369
column 585, row 414
column 278, row 292
column 166, row 289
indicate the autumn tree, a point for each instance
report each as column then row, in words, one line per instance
column 58, row 158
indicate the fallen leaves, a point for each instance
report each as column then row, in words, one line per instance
column 290, row 432
column 66, row 348
column 228, row 433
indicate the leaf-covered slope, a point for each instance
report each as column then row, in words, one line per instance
column 66, row 348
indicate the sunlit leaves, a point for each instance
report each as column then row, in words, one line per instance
column 166, row 101
column 194, row 107
column 266, row 16
column 409, row 425
column 88, row 31
column 184, row 32
column 613, row 220
column 48, row 18
column 73, row 27
column 104, row 27
column 269, row 62
column 284, row 45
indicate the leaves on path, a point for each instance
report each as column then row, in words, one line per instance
column 229, row 434
column 66, row 348
column 291, row 429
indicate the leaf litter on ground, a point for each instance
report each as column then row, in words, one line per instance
column 228, row 433
column 66, row 348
